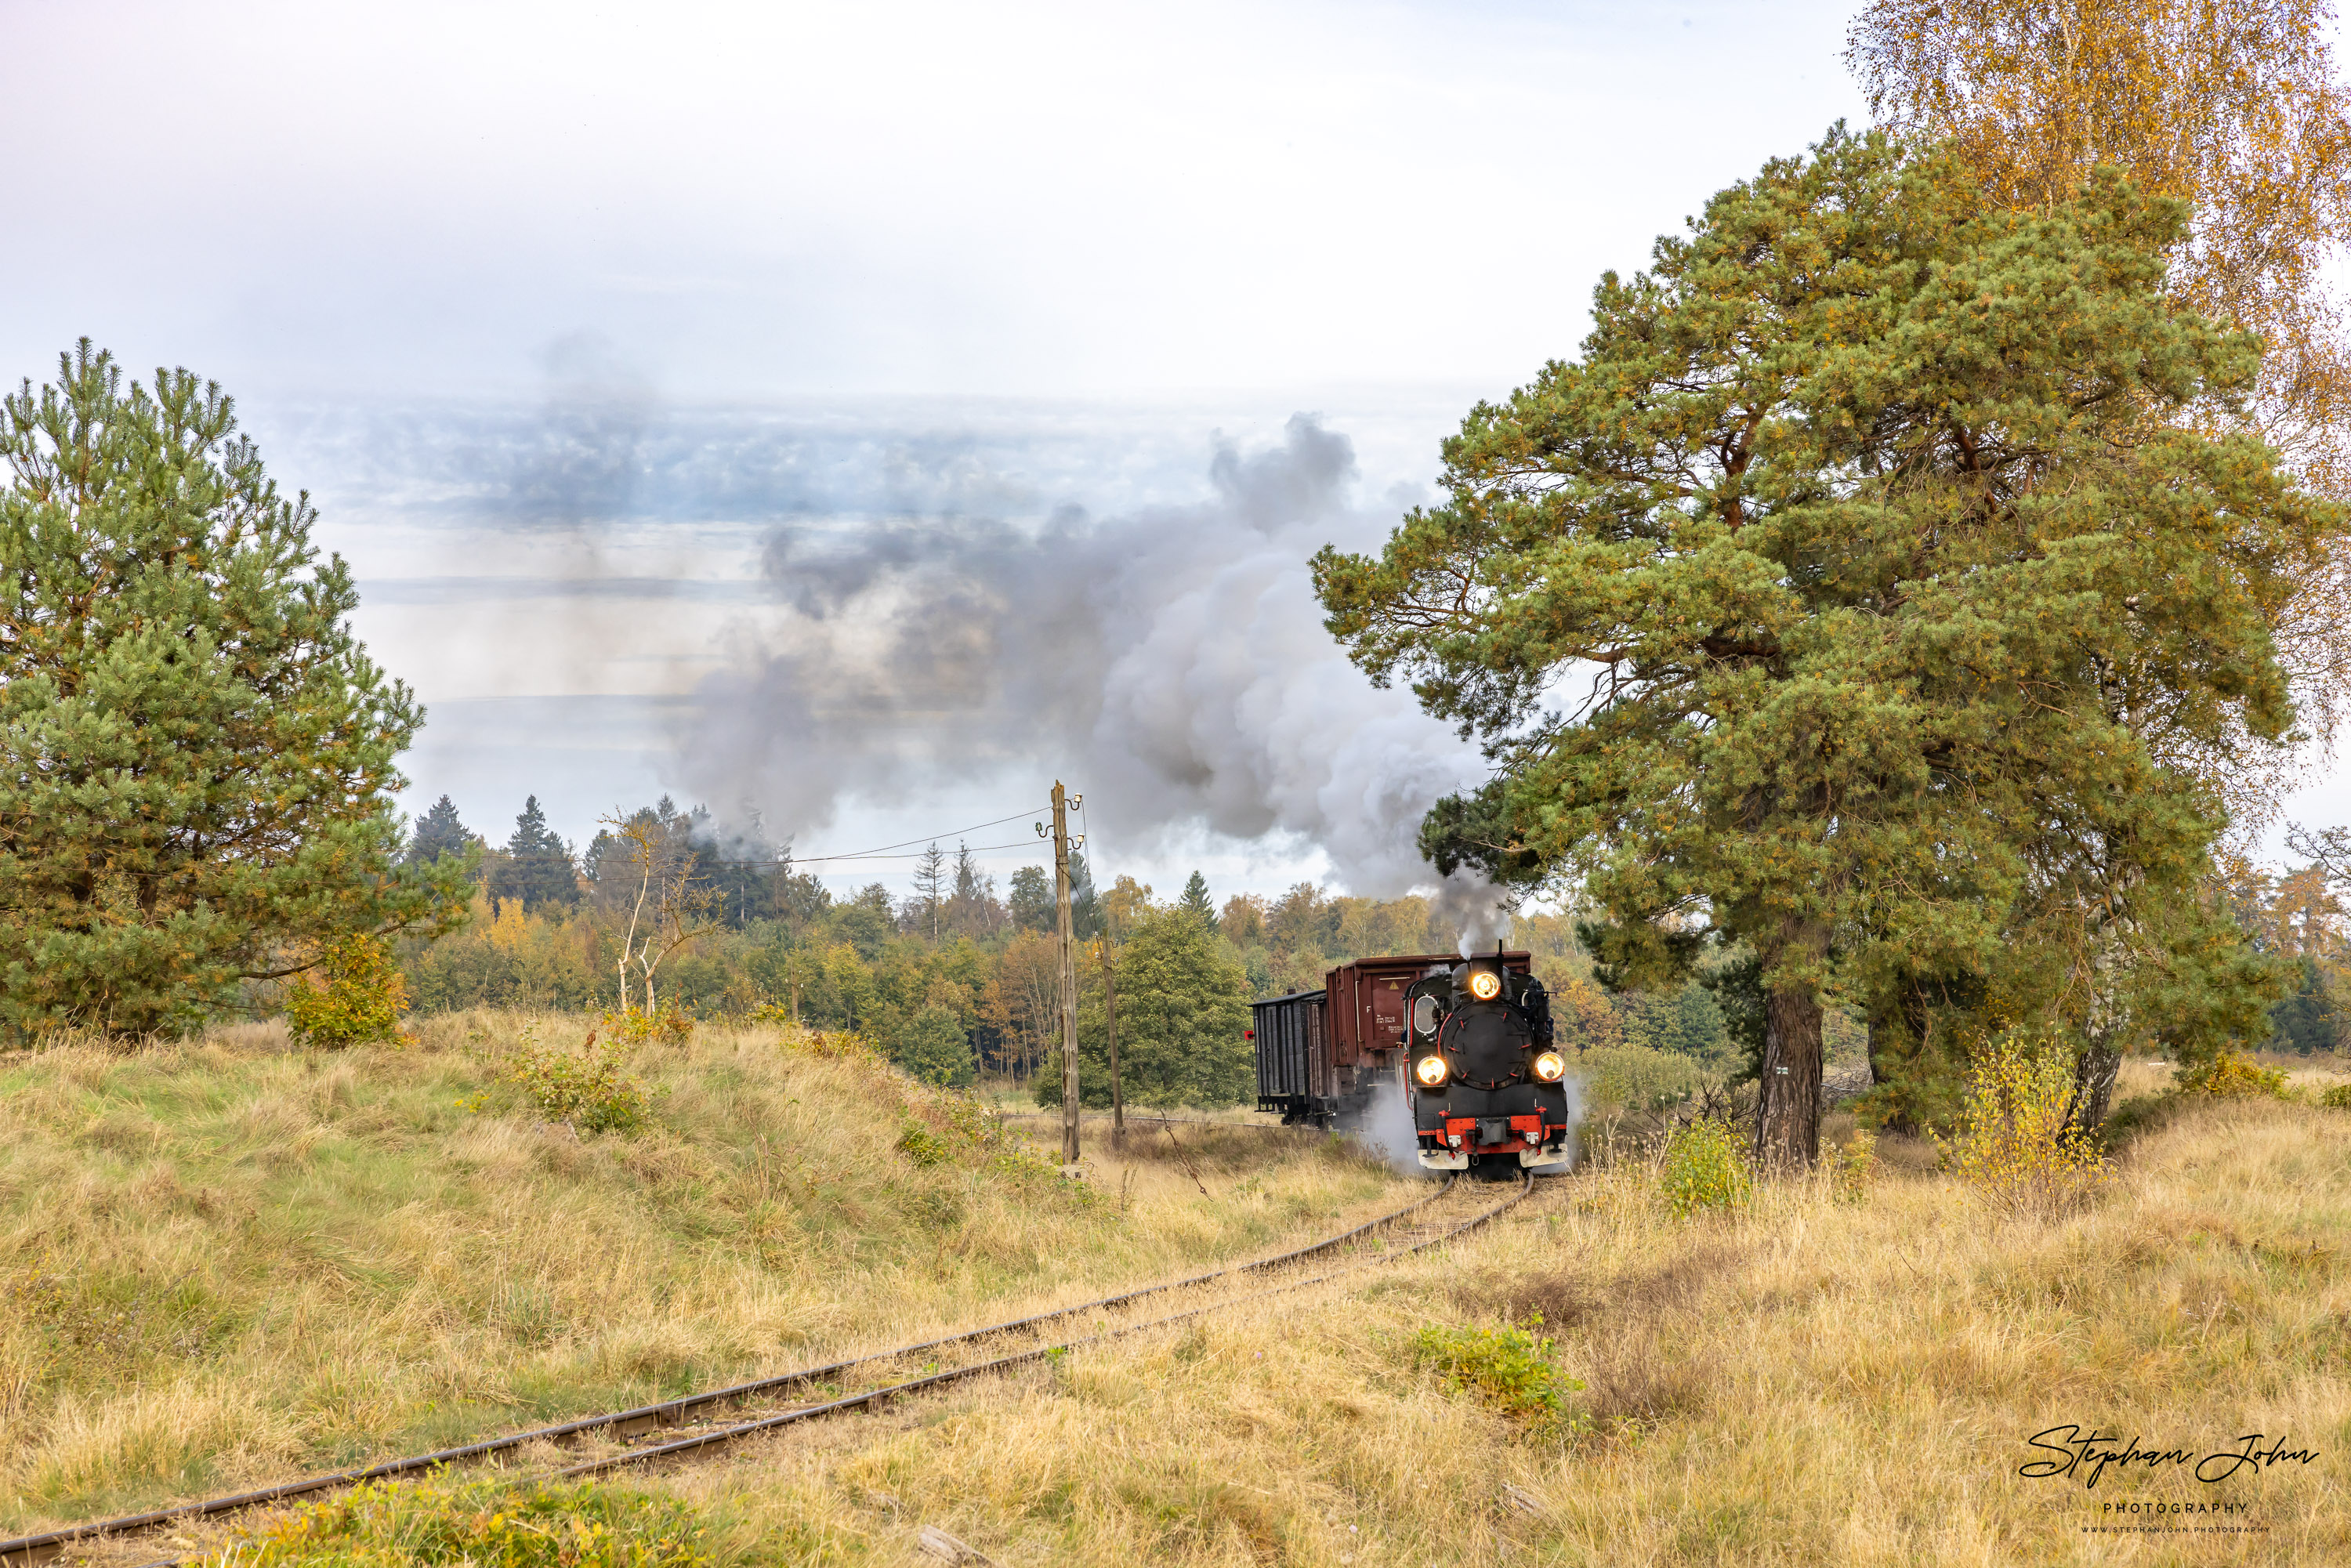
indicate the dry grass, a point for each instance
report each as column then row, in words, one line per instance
column 1807, row 1380
column 1812, row 1382
column 229, row 1261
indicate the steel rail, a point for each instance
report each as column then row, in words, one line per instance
column 26, row 1551
column 1153, row 1119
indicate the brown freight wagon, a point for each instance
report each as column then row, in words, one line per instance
column 1320, row 1053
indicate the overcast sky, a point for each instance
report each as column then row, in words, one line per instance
column 861, row 415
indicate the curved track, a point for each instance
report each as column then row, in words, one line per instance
column 621, row 1424
column 1438, row 1233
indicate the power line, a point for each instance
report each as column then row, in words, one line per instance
column 826, row 860
column 879, row 851
column 933, row 838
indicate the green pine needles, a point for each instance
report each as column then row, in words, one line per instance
column 196, row 755
column 1875, row 590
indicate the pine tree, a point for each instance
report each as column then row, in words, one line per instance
column 1909, row 606
column 538, row 869
column 1085, row 904
column 438, row 832
column 972, row 909
column 750, row 877
column 2237, row 109
column 196, row 755
column 1195, row 901
column 931, row 887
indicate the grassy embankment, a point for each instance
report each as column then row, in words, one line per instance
column 229, row 1262
column 1811, row 1380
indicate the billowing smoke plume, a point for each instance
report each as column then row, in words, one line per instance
column 1172, row 664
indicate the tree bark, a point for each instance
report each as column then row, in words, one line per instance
column 1885, row 1019
column 1788, row 1096
column 1788, row 1108
column 2094, row 1085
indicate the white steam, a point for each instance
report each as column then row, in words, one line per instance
column 1173, row 663
column 1386, row 1130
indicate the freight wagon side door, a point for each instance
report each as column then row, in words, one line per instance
column 1322, row 1075
column 1384, row 1012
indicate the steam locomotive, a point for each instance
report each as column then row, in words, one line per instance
column 1466, row 1043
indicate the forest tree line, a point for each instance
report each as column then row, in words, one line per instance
column 957, row 978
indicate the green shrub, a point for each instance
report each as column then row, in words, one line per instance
column 956, row 1127
column 922, row 1145
column 1635, row 1078
column 2139, row 1114
column 589, row 1091
column 482, row 1524
column 1854, row 1165
column 1507, row 1368
column 355, row 994
column 2231, row 1075
column 1704, row 1167
column 2338, row 1097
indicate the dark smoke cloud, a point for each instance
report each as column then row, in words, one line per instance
column 933, row 609
column 1171, row 661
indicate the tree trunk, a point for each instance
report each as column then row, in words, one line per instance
column 1886, row 1022
column 2094, row 1085
column 1788, row 1107
column 1788, row 1094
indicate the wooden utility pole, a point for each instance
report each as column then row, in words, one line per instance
column 1110, row 1008
column 1069, row 977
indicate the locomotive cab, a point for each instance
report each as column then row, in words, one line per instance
column 1483, row 1070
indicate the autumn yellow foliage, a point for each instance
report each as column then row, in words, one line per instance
column 354, row 995
column 2015, row 1145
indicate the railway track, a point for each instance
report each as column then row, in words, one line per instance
column 724, row 1416
column 1152, row 1120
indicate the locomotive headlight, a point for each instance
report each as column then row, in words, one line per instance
column 1430, row 1070
column 1550, row 1067
column 1485, row 985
